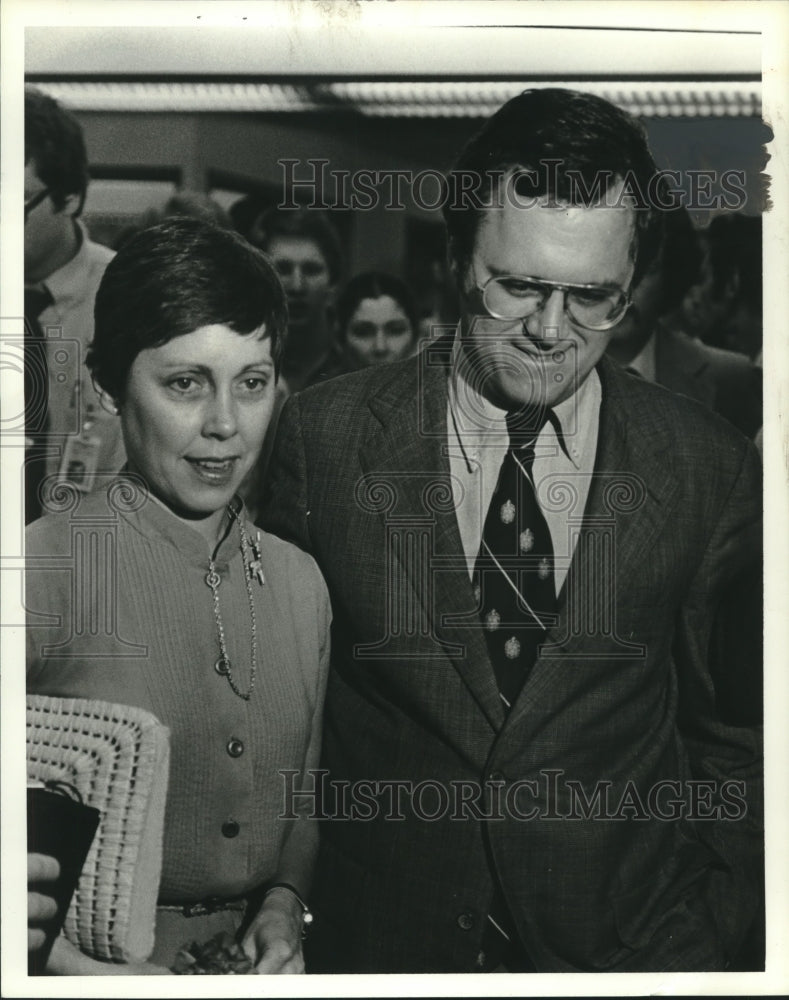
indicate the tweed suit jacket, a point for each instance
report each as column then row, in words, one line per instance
column 621, row 702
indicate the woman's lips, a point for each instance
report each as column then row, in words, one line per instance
column 217, row 471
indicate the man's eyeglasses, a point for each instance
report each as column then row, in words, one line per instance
column 37, row 198
column 513, row 297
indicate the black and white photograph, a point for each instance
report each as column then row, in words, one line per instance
column 395, row 479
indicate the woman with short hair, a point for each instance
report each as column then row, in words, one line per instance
column 218, row 629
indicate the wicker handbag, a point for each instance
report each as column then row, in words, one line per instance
column 117, row 758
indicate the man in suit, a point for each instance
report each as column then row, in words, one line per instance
column 652, row 341
column 545, row 784
column 69, row 437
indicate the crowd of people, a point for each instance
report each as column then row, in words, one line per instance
column 461, row 588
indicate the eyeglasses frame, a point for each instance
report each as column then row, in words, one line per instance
column 558, row 286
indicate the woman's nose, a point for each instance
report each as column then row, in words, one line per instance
column 380, row 345
column 220, row 418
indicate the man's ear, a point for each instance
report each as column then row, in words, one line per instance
column 72, row 205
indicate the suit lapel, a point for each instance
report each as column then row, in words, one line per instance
column 408, row 458
column 632, row 494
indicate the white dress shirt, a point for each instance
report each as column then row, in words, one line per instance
column 67, row 325
column 563, row 463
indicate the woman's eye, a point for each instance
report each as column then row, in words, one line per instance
column 184, row 383
column 255, row 383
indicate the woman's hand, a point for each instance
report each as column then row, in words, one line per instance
column 40, row 908
column 273, row 941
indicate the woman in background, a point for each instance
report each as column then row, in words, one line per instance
column 376, row 323
column 216, row 628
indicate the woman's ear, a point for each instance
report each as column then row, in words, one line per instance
column 106, row 401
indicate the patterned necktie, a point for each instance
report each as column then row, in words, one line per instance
column 36, row 376
column 514, row 568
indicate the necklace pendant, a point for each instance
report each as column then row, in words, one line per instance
column 256, row 568
column 212, row 578
column 222, row 666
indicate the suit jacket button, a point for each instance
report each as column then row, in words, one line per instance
column 466, row 921
column 230, row 829
column 235, row 747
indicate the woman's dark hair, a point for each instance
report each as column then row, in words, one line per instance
column 172, row 279
column 571, row 146
column 373, row 285
column 56, row 147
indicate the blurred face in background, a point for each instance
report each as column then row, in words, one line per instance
column 378, row 331
column 304, row 272
column 701, row 308
column 305, row 276
column 49, row 231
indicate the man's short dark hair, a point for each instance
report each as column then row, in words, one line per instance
column 55, row 145
column 570, row 146
column 172, row 279
column 309, row 223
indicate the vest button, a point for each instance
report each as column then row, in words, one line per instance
column 235, row 747
column 230, row 829
column 466, row 921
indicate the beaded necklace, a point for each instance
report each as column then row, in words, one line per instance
column 252, row 568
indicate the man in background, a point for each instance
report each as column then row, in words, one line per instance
column 68, row 434
column 306, row 253
column 651, row 340
column 305, row 250
column 724, row 305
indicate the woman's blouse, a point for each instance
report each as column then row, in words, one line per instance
column 119, row 610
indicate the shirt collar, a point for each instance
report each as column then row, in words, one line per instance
column 478, row 417
column 154, row 519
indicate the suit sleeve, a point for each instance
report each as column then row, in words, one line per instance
column 284, row 509
column 725, row 744
column 738, row 394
